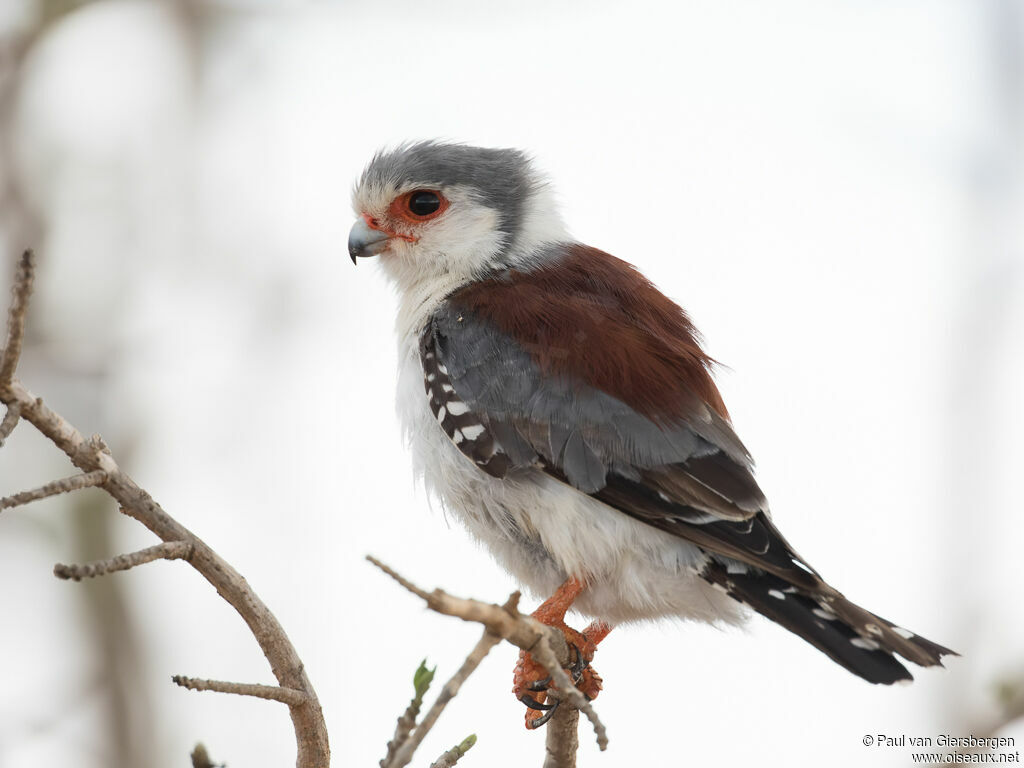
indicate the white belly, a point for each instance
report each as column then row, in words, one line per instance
column 543, row 530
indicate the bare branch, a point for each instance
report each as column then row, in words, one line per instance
column 21, row 289
column 562, row 739
column 91, row 455
column 289, row 696
column 10, row 421
column 404, row 754
column 451, row 757
column 546, row 644
column 65, row 485
column 168, row 550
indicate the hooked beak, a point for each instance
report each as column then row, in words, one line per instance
column 365, row 241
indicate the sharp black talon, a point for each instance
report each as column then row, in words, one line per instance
column 539, row 685
column 545, row 717
column 532, row 703
column 578, row 666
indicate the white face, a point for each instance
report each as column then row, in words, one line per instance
column 435, row 234
column 480, row 210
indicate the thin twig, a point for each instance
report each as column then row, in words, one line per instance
column 421, row 593
column 10, row 421
column 289, row 696
column 404, row 755
column 21, row 289
column 65, row 485
column 403, row 728
column 168, row 550
column 451, row 757
column 546, row 644
column 521, row 631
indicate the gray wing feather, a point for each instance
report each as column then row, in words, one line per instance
column 583, row 434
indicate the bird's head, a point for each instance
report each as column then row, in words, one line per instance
column 448, row 213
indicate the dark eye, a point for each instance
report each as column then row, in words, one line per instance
column 418, row 206
column 424, row 202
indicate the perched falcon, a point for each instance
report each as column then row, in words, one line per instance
column 563, row 410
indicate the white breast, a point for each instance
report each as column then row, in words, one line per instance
column 543, row 530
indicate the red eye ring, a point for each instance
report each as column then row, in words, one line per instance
column 401, row 207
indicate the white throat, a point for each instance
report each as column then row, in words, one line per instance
column 472, row 251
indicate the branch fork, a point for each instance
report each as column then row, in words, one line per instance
column 99, row 469
column 504, row 622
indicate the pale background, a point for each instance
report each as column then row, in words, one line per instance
column 834, row 190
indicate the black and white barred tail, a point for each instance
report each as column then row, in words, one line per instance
column 860, row 641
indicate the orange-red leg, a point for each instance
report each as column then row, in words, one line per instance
column 597, row 631
column 530, row 679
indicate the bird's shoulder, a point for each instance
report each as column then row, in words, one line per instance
column 585, row 315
